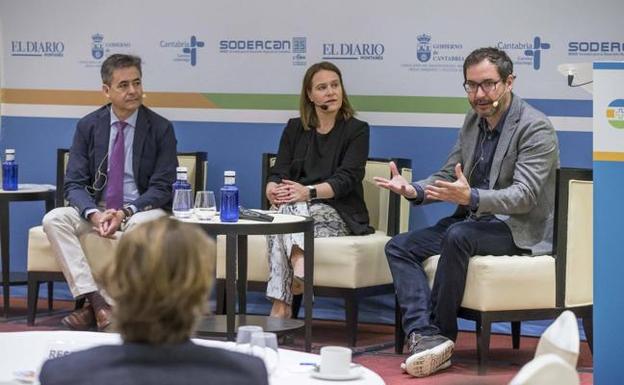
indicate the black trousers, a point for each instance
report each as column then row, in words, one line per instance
column 456, row 239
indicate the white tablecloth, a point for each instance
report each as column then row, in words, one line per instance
column 24, row 351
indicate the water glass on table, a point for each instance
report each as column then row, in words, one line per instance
column 205, row 205
column 243, row 337
column 182, row 203
column 264, row 345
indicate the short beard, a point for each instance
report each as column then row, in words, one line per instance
column 491, row 112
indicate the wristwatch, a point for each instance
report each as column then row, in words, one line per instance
column 128, row 212
column 312, row 191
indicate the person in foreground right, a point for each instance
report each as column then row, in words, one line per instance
column 501, row 174
column 159, row 280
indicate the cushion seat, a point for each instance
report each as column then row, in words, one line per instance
column 362, row 260
column 99, row 251
column 506, row 282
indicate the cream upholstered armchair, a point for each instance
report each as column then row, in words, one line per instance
column 350, row 267
column 522, row 288
column 41, row 263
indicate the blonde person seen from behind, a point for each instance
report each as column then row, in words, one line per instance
column 159, row 280
column 318, row 172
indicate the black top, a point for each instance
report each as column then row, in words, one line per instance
column 137, row 364
column 338, row 158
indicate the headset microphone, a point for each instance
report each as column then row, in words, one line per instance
column 497, row 101
column 323, row 107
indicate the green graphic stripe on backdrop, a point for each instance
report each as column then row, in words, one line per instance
column 415, row 104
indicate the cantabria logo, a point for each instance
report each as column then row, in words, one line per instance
column 615, row 113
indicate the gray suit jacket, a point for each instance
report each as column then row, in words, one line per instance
column 522, row 176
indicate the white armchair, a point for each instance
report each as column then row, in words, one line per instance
column 41, row 262
column 350, row 267
column 522, row 288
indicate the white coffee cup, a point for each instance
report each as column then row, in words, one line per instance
column 335, row 360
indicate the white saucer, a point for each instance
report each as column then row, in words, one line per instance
column 25, row 376
column 355, row 372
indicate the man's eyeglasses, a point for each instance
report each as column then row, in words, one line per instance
column 487, row 86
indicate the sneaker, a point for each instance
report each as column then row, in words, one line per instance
column 428, row 354
column 445, row 365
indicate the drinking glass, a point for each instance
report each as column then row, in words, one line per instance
column 264, row 345
column 243, row 337
column 182, row 203
column 205, row 205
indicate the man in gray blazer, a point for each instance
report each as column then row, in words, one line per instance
column 501, row 174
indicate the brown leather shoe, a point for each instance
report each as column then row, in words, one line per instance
column 103, row 318
column 81, row 319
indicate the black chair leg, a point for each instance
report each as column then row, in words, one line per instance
column 399, row 333
column 484, row 326
column 220, row 293
column 296, row 305
column 50, row 295
column 33, row 296
column 588, row 327
column 515, row 334
column 351, row 315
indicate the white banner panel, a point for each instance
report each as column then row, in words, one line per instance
column 398, row 48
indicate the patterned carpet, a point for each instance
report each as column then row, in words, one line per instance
column 374, row 350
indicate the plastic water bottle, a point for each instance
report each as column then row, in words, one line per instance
column 182, row 205
column 9, row 171
column 181, row 182
column 229, row 198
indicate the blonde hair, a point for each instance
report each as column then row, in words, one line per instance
column 307, row 112
column 160, row 280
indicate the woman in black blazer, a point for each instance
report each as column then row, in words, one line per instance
column 318, row 172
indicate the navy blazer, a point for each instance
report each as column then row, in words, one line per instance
column 154, row 160
column 137, row 364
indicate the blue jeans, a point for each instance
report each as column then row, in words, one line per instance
column 456, row 239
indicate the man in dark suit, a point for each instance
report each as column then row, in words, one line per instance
column 160, row 279
column 501, row 174
column 121, row 167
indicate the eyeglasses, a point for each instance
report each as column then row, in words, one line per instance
column 487, row 86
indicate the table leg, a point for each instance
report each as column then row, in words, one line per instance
column 230, row 281
column 242, row 274
column 4, row 250
column 49, row 204
column 308, row 284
